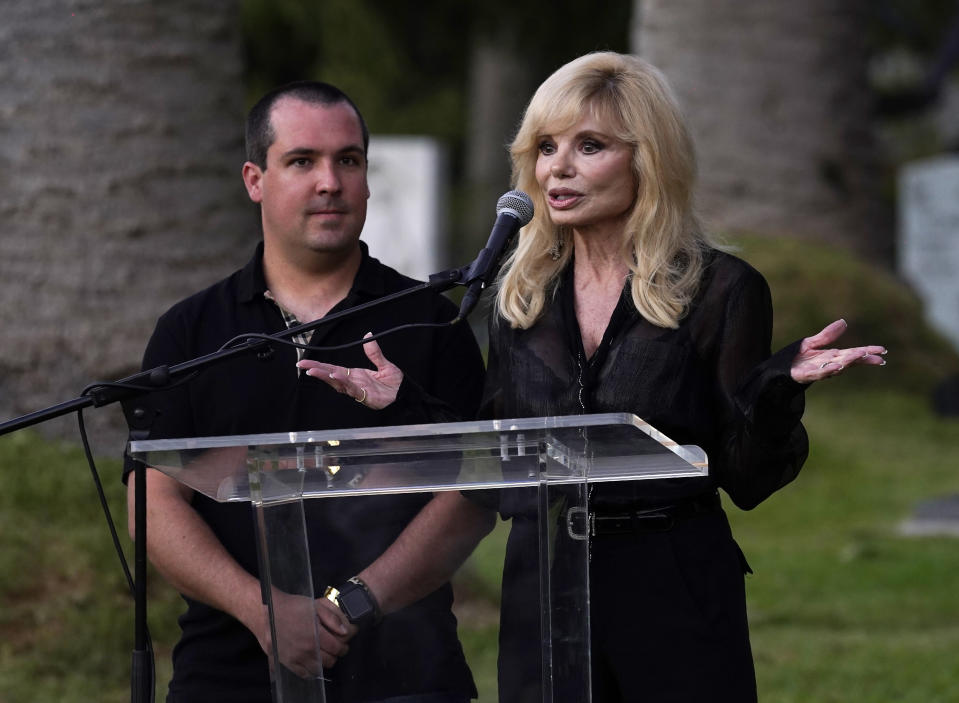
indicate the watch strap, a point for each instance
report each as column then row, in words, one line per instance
column 356, row 601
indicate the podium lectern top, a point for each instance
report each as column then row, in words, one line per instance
column 426, row 457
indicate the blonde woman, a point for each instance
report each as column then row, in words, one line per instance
column 615, row 300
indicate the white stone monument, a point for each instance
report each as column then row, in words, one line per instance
column 406, row 218
column 929, row 238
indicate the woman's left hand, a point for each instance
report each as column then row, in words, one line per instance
column 815, row 362
column 374, row 389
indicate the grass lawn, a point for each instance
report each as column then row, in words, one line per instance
column 843, row 608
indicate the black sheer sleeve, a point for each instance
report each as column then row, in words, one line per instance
column 490, row 407
column 763, row 443
column 491, row 404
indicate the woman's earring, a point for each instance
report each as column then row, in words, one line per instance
column 557, row 249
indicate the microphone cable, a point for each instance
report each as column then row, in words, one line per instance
column 115, row 537
column 248, row 336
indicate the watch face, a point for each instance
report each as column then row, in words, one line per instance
column 355, row 603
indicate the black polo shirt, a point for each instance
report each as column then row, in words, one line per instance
column 413, row 651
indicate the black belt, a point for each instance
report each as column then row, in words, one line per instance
column 581, row 525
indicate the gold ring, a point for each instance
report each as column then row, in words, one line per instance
column 363, row 399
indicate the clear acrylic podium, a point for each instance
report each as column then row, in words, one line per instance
column 552, row 460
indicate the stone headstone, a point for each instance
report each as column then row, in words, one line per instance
column 934, row 517
column 406, row 216
column 929, row 238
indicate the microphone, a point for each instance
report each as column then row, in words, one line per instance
column 513, row 211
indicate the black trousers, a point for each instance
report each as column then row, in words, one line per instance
column 667, row 616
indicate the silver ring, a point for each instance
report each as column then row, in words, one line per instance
column 348, row 371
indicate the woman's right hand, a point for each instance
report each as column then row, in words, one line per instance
column 816, row 359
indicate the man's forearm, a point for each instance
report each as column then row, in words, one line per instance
column 188, row 555
column 428, row 551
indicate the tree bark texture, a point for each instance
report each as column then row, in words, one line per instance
column 121, row 141
column 777, row 99
column 499, row 89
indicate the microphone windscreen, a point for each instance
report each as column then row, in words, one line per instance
column 517, row 204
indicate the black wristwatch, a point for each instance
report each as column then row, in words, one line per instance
column 356, row 602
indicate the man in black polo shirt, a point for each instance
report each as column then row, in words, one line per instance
column 306, row 168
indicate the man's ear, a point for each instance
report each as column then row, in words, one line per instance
column 253, row 180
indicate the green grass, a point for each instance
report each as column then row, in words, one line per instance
column 842, row 607
column 66, row 617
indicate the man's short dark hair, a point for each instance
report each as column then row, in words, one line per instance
column 259, row 129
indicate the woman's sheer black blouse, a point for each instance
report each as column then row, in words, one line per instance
column 711, row 382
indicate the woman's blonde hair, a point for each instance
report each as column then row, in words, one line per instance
column 663, row 244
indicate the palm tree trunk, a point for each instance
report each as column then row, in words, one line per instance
column 120, row 150
column 777, row 98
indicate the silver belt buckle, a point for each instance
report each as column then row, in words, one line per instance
column 586, row 523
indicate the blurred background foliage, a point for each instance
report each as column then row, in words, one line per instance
column 411, row 71
column 815, row 283
column 404, row 69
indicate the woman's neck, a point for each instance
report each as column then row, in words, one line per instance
column 599, row 258
column 599, row 273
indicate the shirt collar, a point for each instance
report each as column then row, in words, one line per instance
column 367, row 285
column 369, row 282
column 251, row 281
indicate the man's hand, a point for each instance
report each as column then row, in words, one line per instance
column 299, row 622
column 374, row 389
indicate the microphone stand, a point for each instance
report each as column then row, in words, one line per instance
column 127, row 390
